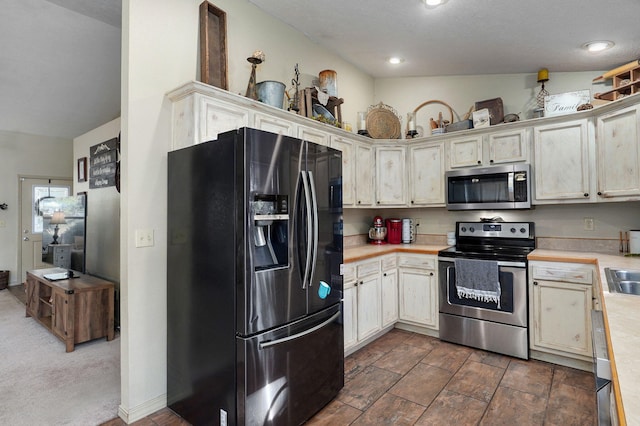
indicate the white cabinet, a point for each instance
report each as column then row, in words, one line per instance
column 349, row 311
column 357, row 171
column 313, row 135
column 500, row 147
column 426, row 174
column 273, row 124
column 364, row 166
column 418, row 290
column 390, row 176
column 561, row 299
column 465, row 151
column 562, row 162
column 389, row 290
column 618, row 147
column 369, row 308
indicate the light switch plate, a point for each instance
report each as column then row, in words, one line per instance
column 144, row 237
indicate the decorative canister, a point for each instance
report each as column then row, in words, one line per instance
column 271, row 93
column 408, row 231
column 329, row 82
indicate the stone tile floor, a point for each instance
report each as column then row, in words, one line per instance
column 405, row 378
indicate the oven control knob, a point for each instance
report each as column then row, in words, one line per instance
column 472, row 229
column 522, row 230
column 513, row 230
column 463, row 229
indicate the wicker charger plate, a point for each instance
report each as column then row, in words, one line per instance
column 383, row 122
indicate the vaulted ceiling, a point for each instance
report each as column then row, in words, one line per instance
column 60, row 61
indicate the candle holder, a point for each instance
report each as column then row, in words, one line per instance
column 411, row 125
column 362, row 123
column 412, row 134
column 255, row 60
column 363, row 132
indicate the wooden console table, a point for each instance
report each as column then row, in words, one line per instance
column 75, row 310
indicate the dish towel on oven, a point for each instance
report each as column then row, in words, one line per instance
column 478, row 280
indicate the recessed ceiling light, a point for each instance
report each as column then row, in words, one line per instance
column 434, row 3
column 598, row 46
column 395, row 60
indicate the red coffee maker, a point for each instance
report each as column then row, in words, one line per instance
column 394, row 231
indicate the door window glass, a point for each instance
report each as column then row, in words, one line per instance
column 42, row 205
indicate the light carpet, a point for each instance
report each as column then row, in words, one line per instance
column 41, row 384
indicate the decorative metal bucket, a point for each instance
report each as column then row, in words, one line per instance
column 271, row 93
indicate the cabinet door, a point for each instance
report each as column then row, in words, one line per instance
column 365, row 163
column 272, row 124
column 218, row 117
column 349, row 318
column 389, row 297
column 390, row 176
column 508, row 147
column 418, row 296
column 348, row 168
column 561, row 317
column 313, row 135
column 619, row 155
column 32, row 296
column 60, row 318
column 465, row 152
column 368, row 306
column 426, row 174
column 562, row 168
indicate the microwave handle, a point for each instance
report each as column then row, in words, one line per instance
column 511, row 184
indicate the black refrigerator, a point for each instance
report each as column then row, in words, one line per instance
column 253, row 285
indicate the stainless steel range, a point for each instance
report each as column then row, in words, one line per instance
column 483, row 286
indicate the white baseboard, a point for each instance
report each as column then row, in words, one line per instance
column 142, row 410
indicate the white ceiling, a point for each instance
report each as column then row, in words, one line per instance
column 467, row 36
column 60, row 61
column 59, row 65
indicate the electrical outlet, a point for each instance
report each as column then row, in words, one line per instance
column 416, row 222
column 144, row 237
column 588, row 224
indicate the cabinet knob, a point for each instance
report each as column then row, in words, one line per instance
column 586, row 194
column 491, row 161
column 358, row 201
column 431, row 273
column 411, row 201
column 479, row 162
column 599, row 193
column 385, row 274
column 377, row 202
column 535, row 283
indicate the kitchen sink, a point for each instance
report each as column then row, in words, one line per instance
column 623, row 281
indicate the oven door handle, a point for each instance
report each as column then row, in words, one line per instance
column 501, row 263
column 511, row 186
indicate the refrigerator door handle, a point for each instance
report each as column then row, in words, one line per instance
column 307, row 200
column 264, row 345
column 314, row 201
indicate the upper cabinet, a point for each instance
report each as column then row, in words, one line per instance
column 426, row 174
column 562, row 159
column 390, row 176
column 618, row 161
column 499, row 147
column 589, row 156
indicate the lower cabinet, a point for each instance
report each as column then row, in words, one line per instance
column 561, row 299
column 389, row 290
column 369, row 303
column 418, row 290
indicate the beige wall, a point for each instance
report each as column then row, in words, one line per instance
column 160, row 53
column 30, row 156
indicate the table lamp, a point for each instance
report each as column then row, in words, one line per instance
column 57, row 219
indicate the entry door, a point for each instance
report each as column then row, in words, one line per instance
column 33, row 194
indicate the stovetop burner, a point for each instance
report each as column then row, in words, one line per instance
column 507, row 241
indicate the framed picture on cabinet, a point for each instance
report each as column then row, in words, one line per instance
column 213, row 45
column 82, row 169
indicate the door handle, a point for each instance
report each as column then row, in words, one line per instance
column 264, row 345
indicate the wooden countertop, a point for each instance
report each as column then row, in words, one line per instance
column 353, row 254
column 622, row 319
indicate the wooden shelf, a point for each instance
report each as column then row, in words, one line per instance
column 625, row 84
column 309, row 96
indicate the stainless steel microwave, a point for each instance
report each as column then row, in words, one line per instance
column 489, row 188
